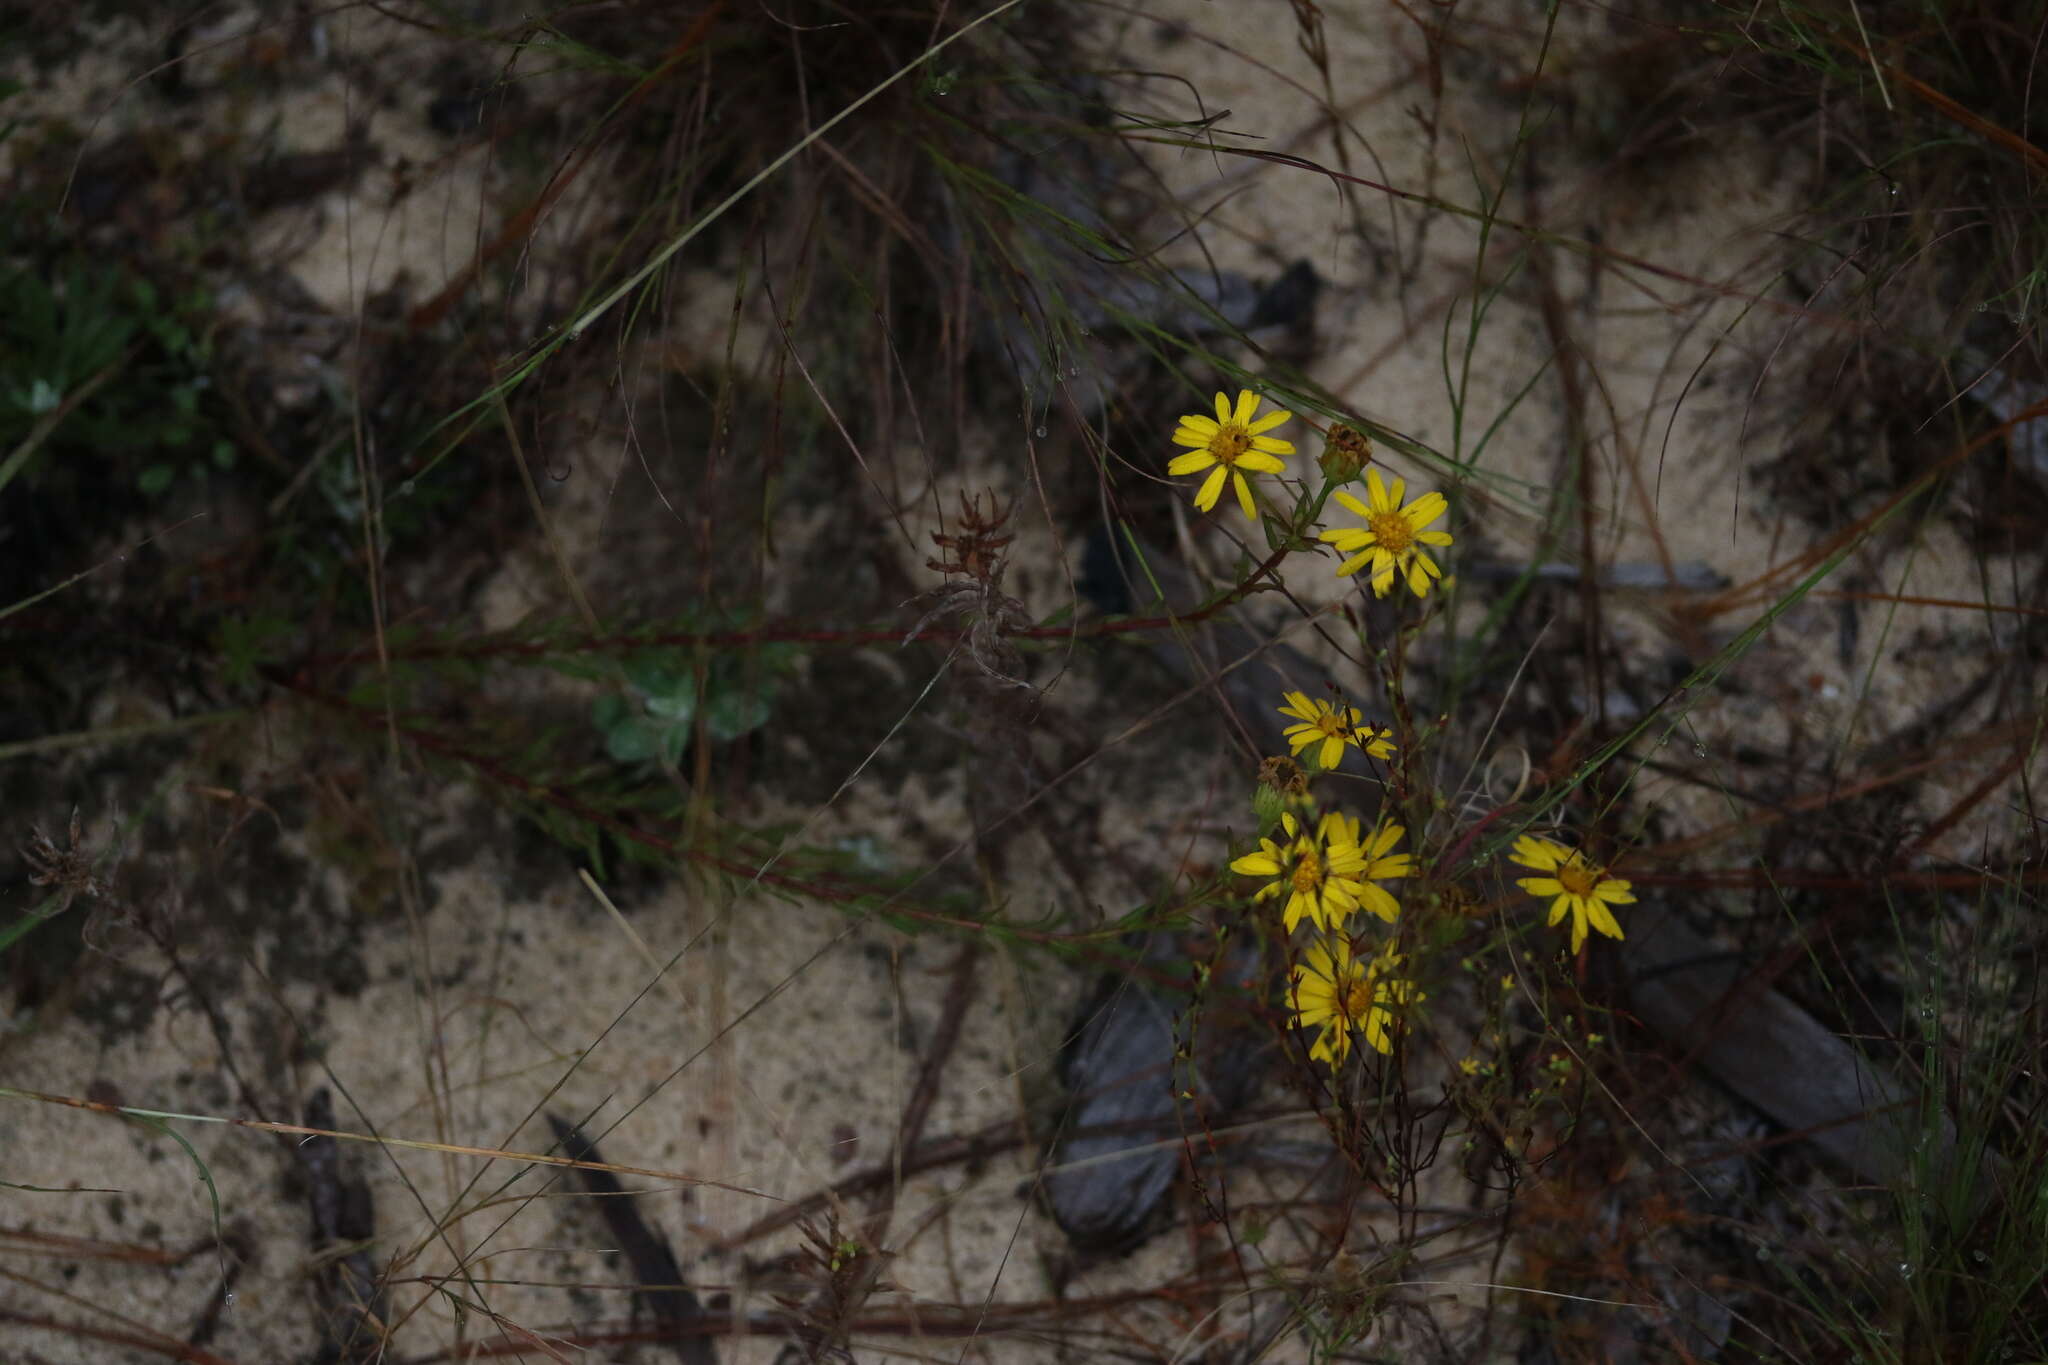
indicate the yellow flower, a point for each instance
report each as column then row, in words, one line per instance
column 1335, row 993
column 1576, row 884
column 1319, row 871
column 1392, row 537
column 1335, row 726
column 1469, row 1065
column 1233, row 443
column 1381, row 863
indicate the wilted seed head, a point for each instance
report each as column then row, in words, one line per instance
column 1284, row 776
column 1345, row 453
column 977, row 551
column 70, row 869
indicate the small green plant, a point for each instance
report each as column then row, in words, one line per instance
column 96, row 361
column 658, row 716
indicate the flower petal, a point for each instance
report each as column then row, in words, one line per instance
column 1247, row 404
column 1212, row 488
column 1602, row 919
column 1190, row 462
column 1333, row 753
column 1196, row 422
column 1256, row 865
column 1356, row 507
column 1261, row 463
column 1222, row 409
column 1269, row 421
column 1244, row 495
column 1424, row 510
column 1380, row 901
column 1539, row 853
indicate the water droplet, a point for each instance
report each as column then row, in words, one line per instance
column 1699, row 750
column 573, row 334
column 1983, row 307
column 1905, row 1271
column 1040, row 433
column 1979, row 1257
column 1073, row 371
column 1085, row 332
column 227, row 1300
column 405, row 489
column 1763, row 1253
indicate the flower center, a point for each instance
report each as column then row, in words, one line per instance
column 1308, row 873
column 1229, row 442
column 1577, row 877
column 1392, row 531
column 1357, row 1002
column 1332, row 724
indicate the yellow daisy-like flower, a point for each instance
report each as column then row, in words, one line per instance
column 1233, row 443
column 1392, row 537
column 1336, row 993
column 1319, row 872
column 1381, row 863
column 1577, row 885
column 1334, row 726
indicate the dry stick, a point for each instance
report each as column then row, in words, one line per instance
column 1579, row 446
column 959, row 994
column 952, row 1320
column 163, row 1346
column 828, row 892
column 1945, row 756
column 145, row 1335
column 792, row 634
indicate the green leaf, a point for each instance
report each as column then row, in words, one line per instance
column 630, row 742
column 674, row 740
column 679, row 706
column 155, row 479
column 731, row 714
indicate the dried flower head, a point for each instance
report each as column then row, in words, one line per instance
column 70, row 870
column 975, row 551
column 1346, row 453
column 977, row 597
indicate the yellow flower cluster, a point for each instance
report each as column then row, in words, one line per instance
column 1392, row 539
column 1327, row 874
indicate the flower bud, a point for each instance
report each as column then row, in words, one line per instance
column 1345, row 453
